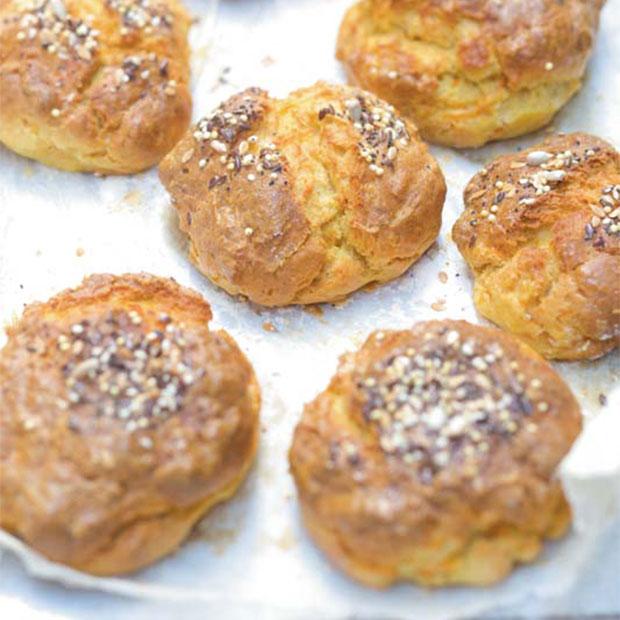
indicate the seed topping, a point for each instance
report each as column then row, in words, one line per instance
column 538, row 173
column 605, row 216
column 222, row 136
column 136, row 376
column 144, row 69
column 382, row 133
column 448, row 400
column 48, row 23
column 143, row 15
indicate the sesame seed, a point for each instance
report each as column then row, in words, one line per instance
column 452, row 337
column 187, row 156
column 171, row 88
column 555, row 176
column 219, row 147
column 468, row 348
column 145, row 442
column 536, row 158
column 30, row 424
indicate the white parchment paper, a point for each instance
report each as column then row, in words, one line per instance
column 252, row 553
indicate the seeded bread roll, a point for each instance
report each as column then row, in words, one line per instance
column 94, row 85
column 304, row 199
column 541, row 234
column 124, row 419
column 470, row 71
column 431, row 456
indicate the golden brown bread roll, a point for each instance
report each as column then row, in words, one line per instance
column 124, row 419
column 541, row 234
column 304, row 199
column 431, row 456
column 470, row 71
column 94, row 85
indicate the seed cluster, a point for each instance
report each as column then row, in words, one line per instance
column 143, row 68
column 448, row 400
column 605, row 215
column 217, row 138
column 141, row 15
column 550, row 168
column 382, row 132
column 136, row 376
column 48, row 22
column 540, row 172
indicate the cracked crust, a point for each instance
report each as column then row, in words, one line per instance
column 88, row 109
column 384, row 510
column 77, row 483
column 470, row 71
column 317, row 222
column 539, row 271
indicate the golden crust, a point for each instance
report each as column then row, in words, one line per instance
column 470, row 71
column 545, row 253
column 124, row 418
column 289, row 202
column 431, row 456
column 93, row 85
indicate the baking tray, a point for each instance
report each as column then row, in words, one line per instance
column 252, row 555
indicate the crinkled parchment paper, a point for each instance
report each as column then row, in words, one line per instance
column 252, row 553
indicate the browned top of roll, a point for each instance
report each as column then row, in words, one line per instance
column 94, row 85
column 121, row 411
column 306, row 198
column 426, row 437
